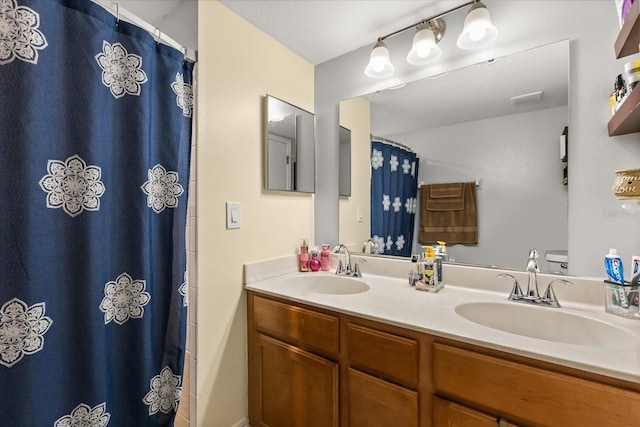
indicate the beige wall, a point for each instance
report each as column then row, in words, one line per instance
column 355, row 115
column 238, row 65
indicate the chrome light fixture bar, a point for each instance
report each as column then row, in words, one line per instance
column 478, row 32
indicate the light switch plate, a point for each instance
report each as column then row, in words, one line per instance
column 234, row 215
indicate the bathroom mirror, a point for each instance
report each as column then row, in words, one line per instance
column 289, row 147
column 344, row 162
column 498, row 122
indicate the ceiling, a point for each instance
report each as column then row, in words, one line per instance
column 316, row 30
column 320, row 30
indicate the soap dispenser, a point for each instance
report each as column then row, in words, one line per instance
column 304, row 256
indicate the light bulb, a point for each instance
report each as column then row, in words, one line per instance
column 478, row 30
column 477, row 33
column 424, row 48
column 379, row 65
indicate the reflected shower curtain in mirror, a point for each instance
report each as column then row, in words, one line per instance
column 94, row 163
column 394, row 189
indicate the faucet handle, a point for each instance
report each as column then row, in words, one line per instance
column 549, row 296
column 340, row 270
column 356, row 268
column 516, row 292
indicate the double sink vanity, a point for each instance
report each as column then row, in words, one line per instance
column 328, row 350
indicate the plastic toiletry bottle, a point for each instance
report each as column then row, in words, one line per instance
column 438, row 271
column 613, row 265
column 314, row 264
column 304, row 256
column 429, row 279
column 415, row 273
column 635, row 269
column 325, row 258
column 634, row 292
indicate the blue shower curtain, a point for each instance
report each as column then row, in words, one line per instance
column 94, row 160
column 394, row 189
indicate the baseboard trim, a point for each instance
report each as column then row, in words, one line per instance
column 242, row 423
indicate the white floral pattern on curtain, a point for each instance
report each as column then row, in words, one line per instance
column 95, row 162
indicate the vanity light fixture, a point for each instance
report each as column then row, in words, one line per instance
column 478, row 32
column 379, row 65
column 425, row 48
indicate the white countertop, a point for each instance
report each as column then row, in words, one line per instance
column 393, row 301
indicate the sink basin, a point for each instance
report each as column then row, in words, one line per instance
column 548, row 324
column 330, row 284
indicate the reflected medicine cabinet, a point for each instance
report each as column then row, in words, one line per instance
column 289, row 147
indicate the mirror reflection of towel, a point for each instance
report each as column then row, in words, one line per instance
column 448, row 212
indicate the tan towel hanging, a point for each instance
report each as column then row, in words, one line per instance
column 448, row 212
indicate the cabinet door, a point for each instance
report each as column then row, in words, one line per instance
column 377, row 403
column 449, row 414
column 296, row 388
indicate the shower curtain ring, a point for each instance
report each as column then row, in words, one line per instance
column 159, row 36
column 117, row 14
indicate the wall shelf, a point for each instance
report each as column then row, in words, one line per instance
column 627, row 118
column 627, row 42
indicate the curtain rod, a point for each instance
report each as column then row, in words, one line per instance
column 114, row 8
column 388, row 141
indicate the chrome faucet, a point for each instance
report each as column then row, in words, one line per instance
column 532, row 296
column 343, row 269
column 366, row 243
column 532, row 269
column 346, row 269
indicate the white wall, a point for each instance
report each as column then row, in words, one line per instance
column 596, row 219
column 522, row 203
column 355, row 216
column 232, row 82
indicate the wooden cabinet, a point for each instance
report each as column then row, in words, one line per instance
column 451, row 414
column 627, row 118
column 374, row 402
column 292, row 381
column 311, row 367
column 527, row 394
column 385, row 354
column 382, row 378
column 305, row 328
column 297, row 388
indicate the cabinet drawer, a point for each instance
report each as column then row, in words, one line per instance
column 536, row 395
column 450, row 414
column 297, row 325
column 383, row 353
column 374, row 402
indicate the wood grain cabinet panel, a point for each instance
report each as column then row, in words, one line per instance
column 297, row 325
column 531, row 394
column 383, row 353
column 296, row 388
column 377, row 403
column 450, row 414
